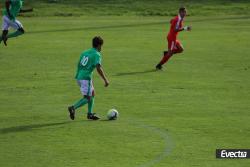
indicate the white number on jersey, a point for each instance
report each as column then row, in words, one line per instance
column 84, row 61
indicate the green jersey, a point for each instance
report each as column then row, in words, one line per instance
column 15, row 7
column 87, row 63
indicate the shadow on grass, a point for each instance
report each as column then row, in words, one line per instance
column 135, row 72
column 25, row 128
column 107, row 120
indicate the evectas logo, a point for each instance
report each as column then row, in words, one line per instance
column 232, row 153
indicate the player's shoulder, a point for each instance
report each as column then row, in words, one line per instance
column 84, row 52
column 96, row 52
column 91, row 52
column 87, row 51
column 174, row 19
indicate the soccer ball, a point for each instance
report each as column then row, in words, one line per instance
column 112, row 114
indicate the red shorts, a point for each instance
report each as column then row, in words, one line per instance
column 173, row 44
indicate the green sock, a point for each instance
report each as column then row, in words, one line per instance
column 80, row 103
column 91, row 105
column 14, row 34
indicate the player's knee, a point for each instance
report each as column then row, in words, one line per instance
column 5, row 32
column 21, row 30
column 87, row 97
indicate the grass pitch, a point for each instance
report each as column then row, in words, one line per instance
column 176, row 117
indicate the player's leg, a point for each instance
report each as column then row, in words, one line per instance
column 174, row 47
column 17, row 25
column 91, row 103
column 17, row 33
column 5, row 27
column 166, row 54
column 90, row 114
column 80, row 103
column 91, row 99
column 166, row 57
column 178, row 48
column 84, row 88
column 4, row 37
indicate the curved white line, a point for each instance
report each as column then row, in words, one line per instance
column 169, row 144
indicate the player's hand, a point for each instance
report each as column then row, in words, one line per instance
column 189, row 28
column 106, row 83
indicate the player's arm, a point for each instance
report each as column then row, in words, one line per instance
column 7, row 6
column 102, row 74
column 178, row 28
column 186, row 28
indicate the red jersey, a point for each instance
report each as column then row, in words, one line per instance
column 176, row 23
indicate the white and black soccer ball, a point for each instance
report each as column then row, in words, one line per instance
column 112, row 114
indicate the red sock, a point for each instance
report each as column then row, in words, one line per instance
column 165, row 58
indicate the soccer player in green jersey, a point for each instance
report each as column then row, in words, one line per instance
column 89, row 60
column 12, row 8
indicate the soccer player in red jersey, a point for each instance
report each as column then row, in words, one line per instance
column 174, row 45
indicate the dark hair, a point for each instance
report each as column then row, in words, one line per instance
column 181, row 9
column 97, row 41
